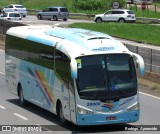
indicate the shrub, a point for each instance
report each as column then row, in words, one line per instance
column 96, row 4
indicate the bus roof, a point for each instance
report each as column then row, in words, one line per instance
column 71, row 41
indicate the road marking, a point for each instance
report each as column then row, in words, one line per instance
column 22, row 117
column 2, row 107
column 1, row 50
column 57, row 24
column 2, row 73
column 150, row 95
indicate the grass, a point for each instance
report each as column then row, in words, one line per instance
column 37, row 4
column 41, row 4
column 153, row 86
column 137, row 32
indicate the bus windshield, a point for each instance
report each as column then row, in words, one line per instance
column 106, row 77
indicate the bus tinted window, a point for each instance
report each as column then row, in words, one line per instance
column 106, row 77
column 62, row 67
column 30, row 51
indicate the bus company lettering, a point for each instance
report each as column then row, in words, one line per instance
column 126, row 101
column 103, row 49
column 93, row 104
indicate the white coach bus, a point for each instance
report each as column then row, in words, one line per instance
column 85, row 77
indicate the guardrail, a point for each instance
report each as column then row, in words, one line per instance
column 152, row 20
column 71, row 14
column 143, row 19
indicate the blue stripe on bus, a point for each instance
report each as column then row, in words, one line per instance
column 40, row 40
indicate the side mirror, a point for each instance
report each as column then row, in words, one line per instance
column 140, row 63
column 73, row 65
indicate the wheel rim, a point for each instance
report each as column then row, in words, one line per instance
column 61, row 115
column 21, row 97
column 39, row 17
column 99, row 20
column 121, row 21
column 54, row 18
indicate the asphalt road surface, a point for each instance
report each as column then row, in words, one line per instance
column 32, row 20
column 11, row 113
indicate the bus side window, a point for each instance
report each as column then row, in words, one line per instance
column 62, row 67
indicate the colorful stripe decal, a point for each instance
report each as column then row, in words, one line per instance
column 39, row 85
column 43, row 82
column 108, row 105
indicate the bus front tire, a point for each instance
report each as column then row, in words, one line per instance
column 61, row 114
column 21, row 97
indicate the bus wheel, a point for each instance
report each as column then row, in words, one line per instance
column 21, row 96
column 61, row 114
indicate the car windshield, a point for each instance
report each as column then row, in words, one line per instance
column 19, row 6
column 130, row 12
column 105, row 77
column 14, row 15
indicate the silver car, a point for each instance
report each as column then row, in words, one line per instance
column 15, row 8
column 12, row 16
column 116, row 15
column 54, row 13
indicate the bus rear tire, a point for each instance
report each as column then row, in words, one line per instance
column 23, row 102
column 61, row 114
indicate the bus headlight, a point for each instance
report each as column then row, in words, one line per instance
column 82, row 110
column 135, row 106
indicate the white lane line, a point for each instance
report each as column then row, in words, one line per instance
column 1, row 50
column 150, row 95
column 2, row 107
column 22, row 117
column 2, row 73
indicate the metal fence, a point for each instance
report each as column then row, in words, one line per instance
column 151, row 57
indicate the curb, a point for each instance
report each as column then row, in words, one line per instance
column 2, row 41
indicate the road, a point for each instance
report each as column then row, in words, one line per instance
column 32, row 20
column 11, row 113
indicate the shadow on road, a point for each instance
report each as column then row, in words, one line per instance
column 69, row 126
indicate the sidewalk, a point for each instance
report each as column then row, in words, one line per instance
column 2, row 45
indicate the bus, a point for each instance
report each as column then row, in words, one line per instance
column 83, row 76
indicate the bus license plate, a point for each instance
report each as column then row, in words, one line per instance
column 111, row 118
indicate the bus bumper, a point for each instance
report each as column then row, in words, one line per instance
column 102, row 119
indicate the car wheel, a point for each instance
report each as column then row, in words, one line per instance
column 24, row 15
column 65, row 19
column 121, row 20
column 55, row 18
column 99, row 20
column 39, row 17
